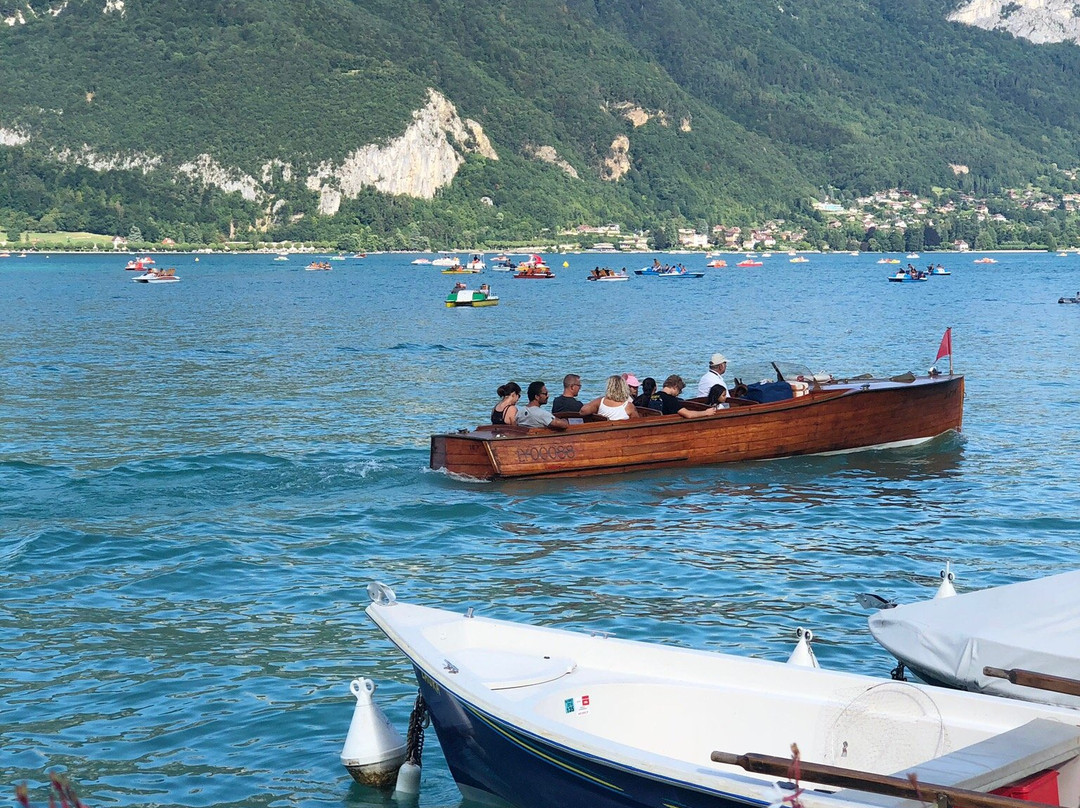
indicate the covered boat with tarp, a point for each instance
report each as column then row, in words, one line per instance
column 1031, row 627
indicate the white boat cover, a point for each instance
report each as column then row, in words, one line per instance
column 1033, row 625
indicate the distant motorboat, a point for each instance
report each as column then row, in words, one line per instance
column 1070, row 299
column 476, row 263
column 912, row 255
column 749, row 263
column 888, row 260
column 139, row 264
column 799, row 259
column 607, row 275
column 282, row 257
column 940, row 270
column 422, row 261
column 158, row 276
column 985, row 261
column 318, row 265
column 446, row 261
column 907, row 277
column 717, row 263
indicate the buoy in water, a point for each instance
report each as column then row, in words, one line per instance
column 946, row 589
column 374, row 750
column 803, row 655
column 566, row 263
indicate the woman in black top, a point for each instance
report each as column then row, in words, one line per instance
column 505, row 412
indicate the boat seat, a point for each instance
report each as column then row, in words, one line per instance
column 647, row 411
column 994, row 762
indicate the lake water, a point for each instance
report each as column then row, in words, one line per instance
column 198, row 481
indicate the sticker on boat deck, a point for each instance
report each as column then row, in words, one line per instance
column 580, row 705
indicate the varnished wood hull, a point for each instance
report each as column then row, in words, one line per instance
column 836, row 418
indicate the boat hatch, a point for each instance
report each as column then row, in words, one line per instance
column 502, row 670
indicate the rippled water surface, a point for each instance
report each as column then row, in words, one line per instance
column 198, row 480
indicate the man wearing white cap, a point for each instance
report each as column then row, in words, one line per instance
column 717, row 366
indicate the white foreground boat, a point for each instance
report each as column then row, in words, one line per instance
column 538, row 717
column 1031, row 626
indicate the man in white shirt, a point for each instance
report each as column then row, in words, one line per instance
column 717, row 366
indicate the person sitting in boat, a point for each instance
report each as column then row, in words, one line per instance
column 615, row 404
column 505, row 412
column 534, row 415
column 458, row 287
column 717, row 366
column 671, row 404
column 485, row 290
column 656, row 264
column 648, row 395
column 596, row 272
column 567, row 402
column 632, row 384
column 718, row 397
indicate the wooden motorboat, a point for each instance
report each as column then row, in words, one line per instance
column 607, row 275
column 534, row 717
column 965, row 641
column 834, row 416
column 470, row 298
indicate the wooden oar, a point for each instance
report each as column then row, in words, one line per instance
column 818, row 773
column 1041, row 681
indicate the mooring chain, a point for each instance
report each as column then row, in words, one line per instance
column 419, row 720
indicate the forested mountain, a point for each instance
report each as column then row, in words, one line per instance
column 213, row 118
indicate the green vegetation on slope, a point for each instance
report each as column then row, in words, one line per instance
column 783, row 102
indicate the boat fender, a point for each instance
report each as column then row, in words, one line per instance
column 946, row 588
column 408, row 779
column 803, row 655
column 374, row 750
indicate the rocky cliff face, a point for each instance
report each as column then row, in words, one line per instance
column 425, row 158
column 1039, row 21
column 418, row 163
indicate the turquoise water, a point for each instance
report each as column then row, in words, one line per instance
column 198, row 480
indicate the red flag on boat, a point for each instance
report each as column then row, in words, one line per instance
column 945, row 349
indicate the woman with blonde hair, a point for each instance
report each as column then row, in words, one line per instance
column 615, row 404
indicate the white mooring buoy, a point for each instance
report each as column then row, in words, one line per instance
column 946, row 588
column 803, row 655
column 374, row 750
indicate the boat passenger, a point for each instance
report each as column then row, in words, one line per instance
column 485, row 290
column 534, row 415
column 632, row 383
column 648, row 394
column 505, row 412
column 717, row 366
column 671, row 404
column 717, row 397
column 568, row 401
column 459, row 287
column 615, row 404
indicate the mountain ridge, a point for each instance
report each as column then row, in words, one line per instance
column 490, row 119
